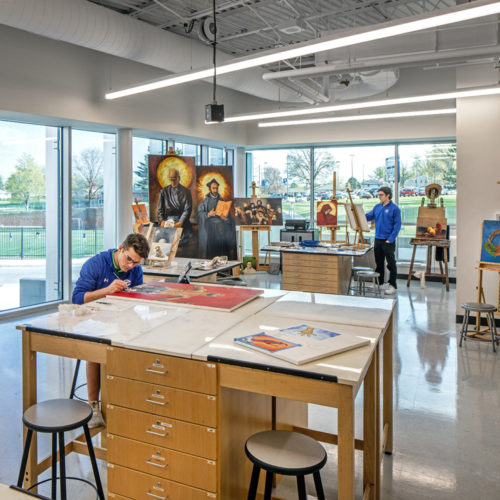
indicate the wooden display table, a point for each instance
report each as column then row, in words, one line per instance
column 445, row 244
column 181, row 397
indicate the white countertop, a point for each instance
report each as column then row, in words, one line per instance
column 199, row 333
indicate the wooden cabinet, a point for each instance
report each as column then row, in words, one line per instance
column 162, row 426
column 322, row 273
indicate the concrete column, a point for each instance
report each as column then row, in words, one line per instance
column 239, row 173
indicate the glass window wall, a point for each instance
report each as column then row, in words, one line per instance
column 30, row 215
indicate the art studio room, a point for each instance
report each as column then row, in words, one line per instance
column 249, row 249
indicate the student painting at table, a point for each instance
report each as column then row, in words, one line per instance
column 108, row 272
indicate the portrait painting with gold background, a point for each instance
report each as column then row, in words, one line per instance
column 159, row 169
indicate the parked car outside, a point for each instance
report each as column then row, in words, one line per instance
column 365, row 194
column 407, row 192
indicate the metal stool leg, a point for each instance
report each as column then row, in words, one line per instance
column 24, row 460
column 465, row 328
column 491, row 324
column 93, row 461
column 301, row 487
column 75, row 378
column 269, row 485
column 62, row 466
column 319, row 486
column 53, row 491
column 462, row 329
column 254, row 482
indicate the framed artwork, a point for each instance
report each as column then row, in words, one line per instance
column 490, row 242
column 326, row 213
column 172, row 196
column 258, row 212
column 216, row 227
column 164, row 243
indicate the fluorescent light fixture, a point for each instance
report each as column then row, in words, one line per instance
column 474, row 92
column 353, row 118
column 457, row 14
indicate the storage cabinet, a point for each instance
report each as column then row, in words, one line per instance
column 162, row 426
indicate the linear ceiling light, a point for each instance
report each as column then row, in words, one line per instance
column 457, row 14
column 380, row 116
column 475, row 92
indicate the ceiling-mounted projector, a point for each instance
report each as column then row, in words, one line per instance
column 214, row 113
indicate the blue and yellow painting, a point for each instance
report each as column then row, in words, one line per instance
column 490, row 242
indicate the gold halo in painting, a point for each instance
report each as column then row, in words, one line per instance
column 163, row 170
column 224, row 188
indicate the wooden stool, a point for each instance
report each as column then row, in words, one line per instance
column 480, row 308
column 287, row 453
column 363, row 277
column 57, row 416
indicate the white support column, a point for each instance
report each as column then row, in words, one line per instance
column 124, row 181
column 239, row 173
column 67, row 249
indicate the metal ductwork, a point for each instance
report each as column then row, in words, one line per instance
column 88, row 25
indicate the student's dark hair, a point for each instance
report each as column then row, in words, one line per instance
column 138, row 242
column 386, row 190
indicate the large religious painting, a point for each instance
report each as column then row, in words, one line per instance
column 199, row 295
column 326, row 213
column 172, row 197
column 258, row 212
column 216, row 228
column 490, row 242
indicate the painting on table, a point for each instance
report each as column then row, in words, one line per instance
column 198, row 295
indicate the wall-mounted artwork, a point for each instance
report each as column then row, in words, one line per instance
column 216, row 228
column 490, row 242
column 258, row 211
column 326, row 213
column 172, row 189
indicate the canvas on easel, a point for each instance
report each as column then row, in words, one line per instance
column 164, row 245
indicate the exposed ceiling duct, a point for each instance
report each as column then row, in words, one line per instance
column 88, row 25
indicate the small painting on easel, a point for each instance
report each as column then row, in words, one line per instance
column 326, row 213
column 258, row 212
column 433, row 228
column 140, row 213
column 490, row 242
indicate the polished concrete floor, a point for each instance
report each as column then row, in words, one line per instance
column 446, row 407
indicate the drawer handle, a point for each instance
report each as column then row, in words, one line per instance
column 161, row 466
column 161, row 403
column 156, row 433
column 159, row 372
column 156, row 496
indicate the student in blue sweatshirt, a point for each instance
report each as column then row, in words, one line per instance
column 387, row 216
column 108, row 272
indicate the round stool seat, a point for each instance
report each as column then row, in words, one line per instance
column 285, row 452
column 361, row 268
column 478, row 307
column 57, row 415
column 368, row 274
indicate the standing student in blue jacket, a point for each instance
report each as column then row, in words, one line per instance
column 387, row 216
column 108, row 272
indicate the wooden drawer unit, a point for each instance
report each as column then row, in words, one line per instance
column 165, row 401
column 165, row 370
column 112, row 496
column 174, row 465
column 140, row 486
column 162, row 431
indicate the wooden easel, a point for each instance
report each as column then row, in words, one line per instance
column 445, row 244
column 255, row 237
column 359, row 239
column 333, row 229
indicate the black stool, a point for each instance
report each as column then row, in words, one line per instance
column 287, row 453
column 481, row 308
column 57, row 416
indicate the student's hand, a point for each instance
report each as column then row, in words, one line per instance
column 116, row 286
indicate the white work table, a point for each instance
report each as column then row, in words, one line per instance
column 243, row 385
